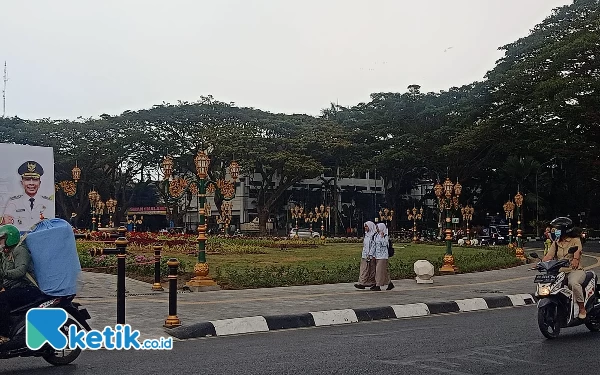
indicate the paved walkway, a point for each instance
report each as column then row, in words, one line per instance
column 146, row 310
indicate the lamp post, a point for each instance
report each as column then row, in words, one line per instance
column 311, row 217
column 508, row 209
column 100, row 205
column 111, row 205
column 322, row 213
column 448, row 195
column 415, row 215
column 297, row 213
column 467, row 214
column 201, row 186
column 225, row 217
column 93, row 197
column 519, row 252
column 386, row 216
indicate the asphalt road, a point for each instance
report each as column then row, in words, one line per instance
column 503, row 341
column 592, row 246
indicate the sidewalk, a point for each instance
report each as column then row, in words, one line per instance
column 147, row 310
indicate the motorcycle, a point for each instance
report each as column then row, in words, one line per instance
column 17, row 347
column 556, row 306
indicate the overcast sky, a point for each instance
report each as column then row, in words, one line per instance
column 69, row 58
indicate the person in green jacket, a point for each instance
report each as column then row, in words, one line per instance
column 18, row 286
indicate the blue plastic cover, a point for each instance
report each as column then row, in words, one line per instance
column 54, row 255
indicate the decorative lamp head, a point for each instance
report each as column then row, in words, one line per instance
column 448, row 187
column 234, row 170
column 76, row 172
column 439, row 190
column 167, row 166
column 202, row 161
column 519, row 199
column 457, row 188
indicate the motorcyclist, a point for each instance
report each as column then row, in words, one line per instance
column 563, row 239
column 18, row 284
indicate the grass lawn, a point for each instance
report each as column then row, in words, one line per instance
column 247, row 264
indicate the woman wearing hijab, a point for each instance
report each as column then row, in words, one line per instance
column 366, row 277
column 382, row 274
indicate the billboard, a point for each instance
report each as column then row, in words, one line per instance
column 26, row 185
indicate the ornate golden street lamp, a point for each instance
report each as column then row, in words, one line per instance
column 322, row 213
column 414, row 215
column 509, row 208
column 467, row 214
column 297, row 213
column 201, row 187
column 94, row 199
column 311, row 217
column 225, row 217
column 386, row 215
column 448, row 195
column 100, row 205
column 111, row 206
column 519, row 251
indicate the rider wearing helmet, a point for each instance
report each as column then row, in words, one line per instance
column 17, row 284
column 563, row 239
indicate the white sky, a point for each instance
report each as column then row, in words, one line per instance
column 69, row 58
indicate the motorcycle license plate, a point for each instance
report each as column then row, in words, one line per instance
column 544, row 279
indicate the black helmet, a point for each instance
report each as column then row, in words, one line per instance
column 563, row 223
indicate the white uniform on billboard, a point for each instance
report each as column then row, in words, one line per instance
column 27, row 209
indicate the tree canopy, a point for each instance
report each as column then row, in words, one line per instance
column 531, row 125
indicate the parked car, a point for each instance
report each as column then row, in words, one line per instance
column 304, row 233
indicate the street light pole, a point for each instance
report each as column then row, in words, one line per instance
column 415, row 215
column 508, row 209
column 448, row 195
column 200, row 187
column 467, row 213
column 519, row 251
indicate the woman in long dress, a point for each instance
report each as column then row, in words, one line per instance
column 366, row 278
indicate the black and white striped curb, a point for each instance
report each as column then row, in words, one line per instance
column 253, row 324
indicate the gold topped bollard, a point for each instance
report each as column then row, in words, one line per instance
column 157, row 286
column 172, row 320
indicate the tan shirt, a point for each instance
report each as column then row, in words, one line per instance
column 560, row 250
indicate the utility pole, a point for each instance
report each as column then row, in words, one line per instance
column 5, row 79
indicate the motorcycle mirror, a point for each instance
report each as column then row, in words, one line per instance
column 534, row 255
column 573, row 249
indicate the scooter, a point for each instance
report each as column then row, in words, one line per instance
column 556, row 306
column 17, row 347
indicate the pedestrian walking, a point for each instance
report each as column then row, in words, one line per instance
column 382, row 273
column 366, row 277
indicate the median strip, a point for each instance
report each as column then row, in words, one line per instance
column 254, row 324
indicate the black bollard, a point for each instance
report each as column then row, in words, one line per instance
column 121, row 244
column 172, row 320
column 157, row 285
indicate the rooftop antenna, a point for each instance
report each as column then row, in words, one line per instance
column 4, row 79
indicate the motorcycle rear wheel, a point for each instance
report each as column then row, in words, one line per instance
column 548, row 321
column 593, row 326
column 66, row 356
